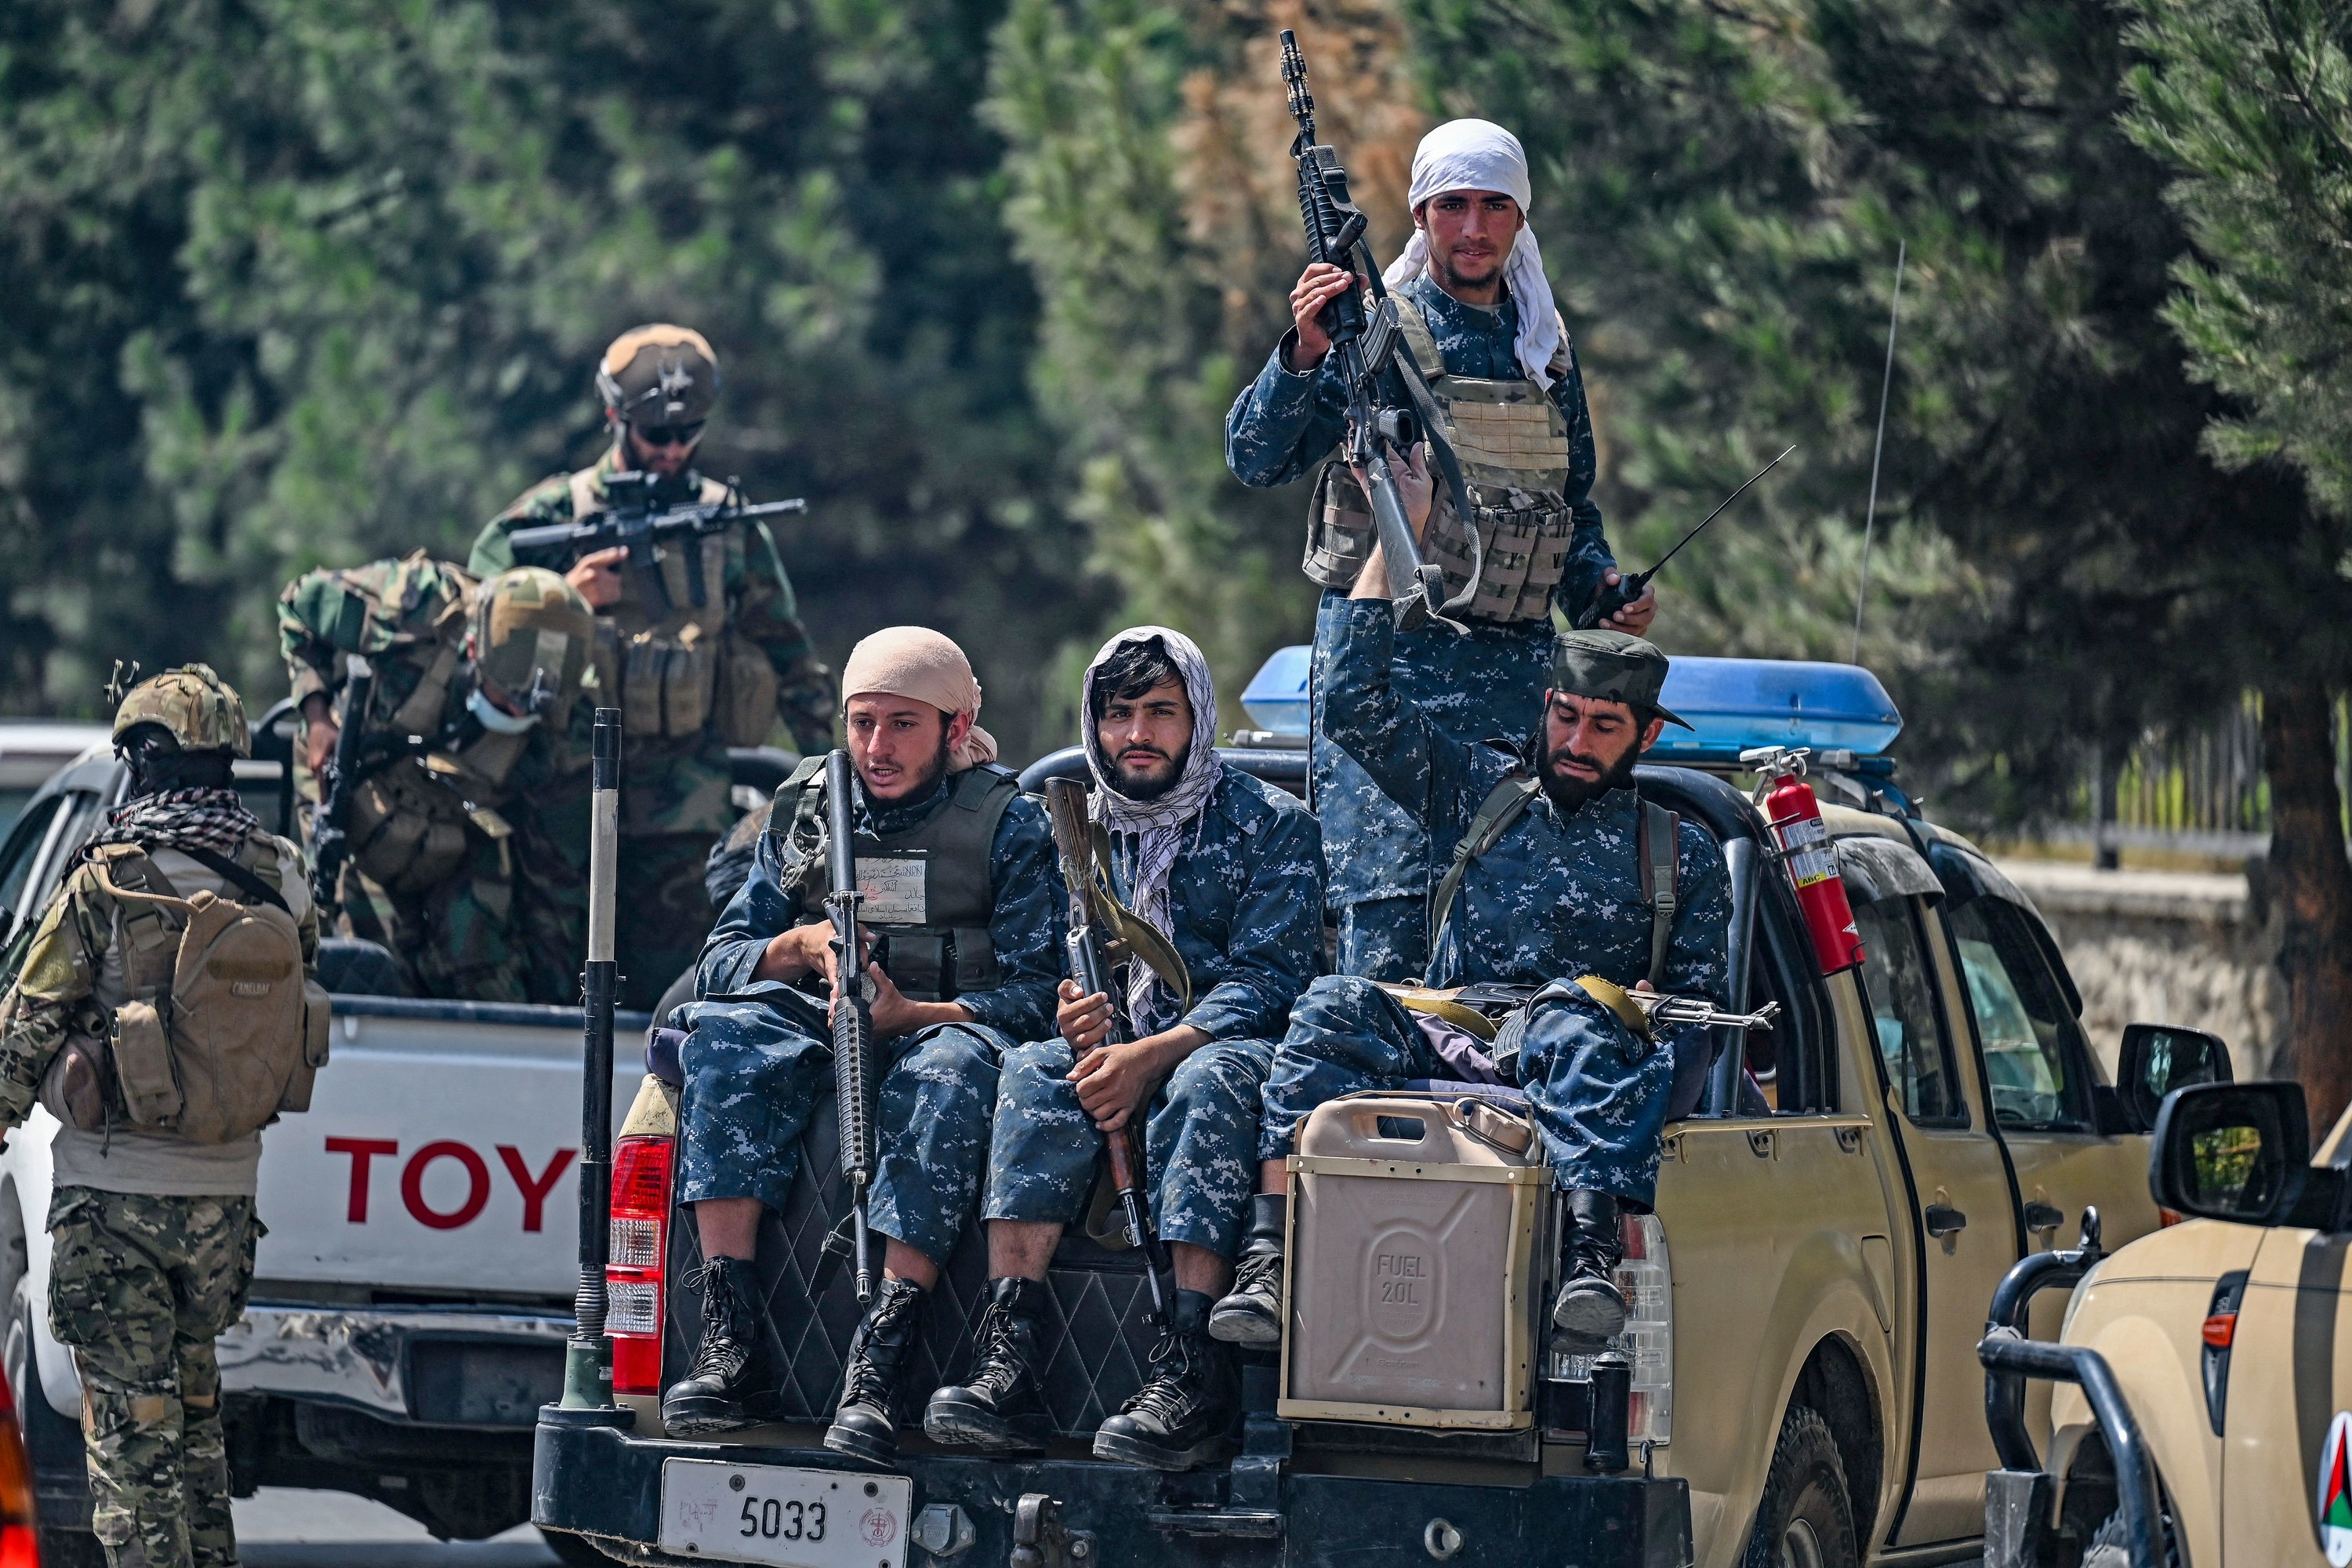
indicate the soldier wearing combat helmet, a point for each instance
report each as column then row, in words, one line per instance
column 116, row 1031
column 473, row 767
column 693, row 677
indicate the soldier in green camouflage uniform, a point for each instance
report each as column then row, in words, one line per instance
column 458, row 864
column 153, row 1234
column 690, row 681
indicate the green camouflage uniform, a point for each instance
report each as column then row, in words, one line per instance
column 153, row 1241
column 675, row 789
column 509, row 924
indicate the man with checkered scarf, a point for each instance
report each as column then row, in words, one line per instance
column 1229, row 870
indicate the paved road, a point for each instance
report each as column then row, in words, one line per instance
column 281, row 1528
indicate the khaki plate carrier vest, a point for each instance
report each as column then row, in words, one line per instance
column 1512, row 441
column 682, row 673
column 934, row 877
column 222, row 1029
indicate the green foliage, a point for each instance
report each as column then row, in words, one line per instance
column 305, row 281
column 2250, row 101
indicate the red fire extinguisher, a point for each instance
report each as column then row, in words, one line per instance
column 1795, row 816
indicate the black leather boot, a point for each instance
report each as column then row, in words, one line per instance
column 728, row 1375
column 1590, row 1311
column 865, row 1425
column 1182, row 1416
column 1002, row 1408
column 1251, row 1313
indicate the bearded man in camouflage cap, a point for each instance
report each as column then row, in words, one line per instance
column 475, row 748
column 690, row 678
column 152, row 1229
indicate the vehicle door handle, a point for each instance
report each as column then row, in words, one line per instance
column 1943, row 1221
column 2043, row 1216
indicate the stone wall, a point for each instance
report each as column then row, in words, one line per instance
column 2163, row 947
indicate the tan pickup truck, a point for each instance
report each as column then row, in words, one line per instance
column 1836, row 1210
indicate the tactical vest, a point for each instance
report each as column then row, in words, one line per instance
column 682, row 673
column 929, row 892
column 1512, row 441
column 220, row 1030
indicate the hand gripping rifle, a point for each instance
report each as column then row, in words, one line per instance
column 1389, row 406
column 637, row 523
column 1066, row 804
column 331, row 843
column 853, row 1020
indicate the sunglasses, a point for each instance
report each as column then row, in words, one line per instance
column 668, row 434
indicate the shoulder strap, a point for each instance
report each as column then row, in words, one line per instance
column 1492, row 820
column 1657, row 844
column 221, row 865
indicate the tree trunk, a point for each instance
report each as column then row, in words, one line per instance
column 2312, row 882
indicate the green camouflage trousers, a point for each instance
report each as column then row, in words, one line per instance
column 139, row 1286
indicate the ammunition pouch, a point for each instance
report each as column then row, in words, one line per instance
column 406, row 828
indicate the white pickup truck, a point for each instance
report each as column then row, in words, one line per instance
column 413, row 1292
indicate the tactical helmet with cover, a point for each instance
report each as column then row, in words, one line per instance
column 531, row 634
column 201, row 712
column 659, row 374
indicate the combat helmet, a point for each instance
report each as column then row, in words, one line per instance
column 201, row 712
column 659, row 374
column 531, row 632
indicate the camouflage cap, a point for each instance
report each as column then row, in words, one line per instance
column 531, row 630
column 659, row 374
column 201, row 711
column 1614, row 666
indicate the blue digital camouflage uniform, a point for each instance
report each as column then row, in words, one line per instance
column 1247, row 900
column 759, row 1055
column 1552, row 900
column 1486, row 684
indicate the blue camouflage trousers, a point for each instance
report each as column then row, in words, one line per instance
column 754, row 1074
column 1200, row 1143
column 1384, row 938
column 1598, row 1094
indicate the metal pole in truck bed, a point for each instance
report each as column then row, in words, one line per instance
column 588, row 1356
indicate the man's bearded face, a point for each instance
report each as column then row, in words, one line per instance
column 1588, row 746
column 1147, row 740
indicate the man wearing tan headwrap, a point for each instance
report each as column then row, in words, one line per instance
column 963, row 907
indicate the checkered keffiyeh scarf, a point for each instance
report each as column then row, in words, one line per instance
column 213, row 819
column 1153, row 831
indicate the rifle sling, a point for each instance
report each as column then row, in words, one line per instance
column 1449, row 467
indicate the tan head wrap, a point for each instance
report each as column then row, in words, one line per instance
column 917, row 662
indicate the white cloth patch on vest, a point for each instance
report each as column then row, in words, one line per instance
column 895, row 887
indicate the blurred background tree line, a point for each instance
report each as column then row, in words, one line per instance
column 299, row 282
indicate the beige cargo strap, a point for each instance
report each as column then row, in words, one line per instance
column 1487, row 824
column 1619, row 1001
column 150, row 941
column 1442, row 1004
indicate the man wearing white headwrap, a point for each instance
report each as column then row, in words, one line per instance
column 1229, row 871
column 1477, row 310
column 964, row 907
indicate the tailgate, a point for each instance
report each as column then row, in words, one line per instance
column 440, row 1152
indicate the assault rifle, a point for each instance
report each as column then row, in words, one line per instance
column 637, row 521
column 331, row 843
column 1389, row 406
column 1066, row 804
column 853, row 1018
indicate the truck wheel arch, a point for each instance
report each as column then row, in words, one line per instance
column 1835, row 1382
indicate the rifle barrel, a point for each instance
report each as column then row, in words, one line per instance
column 853, row 1023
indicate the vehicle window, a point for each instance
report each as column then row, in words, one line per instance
column 1901, row 987
column 2029, row 1034
column 23, row 851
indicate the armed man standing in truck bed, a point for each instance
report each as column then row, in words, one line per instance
column 1563, row 880
column 970, row 954
column 163, row 1014
column 724, row 663
column 1475, row 304
column 454, row 864
column 1230, row 871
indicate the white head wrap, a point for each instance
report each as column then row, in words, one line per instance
column 1155, row 829
column 1480, row 155
column 917, row 662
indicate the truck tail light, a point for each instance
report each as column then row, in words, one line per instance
column 18, row 1542
column 1646, row 1280
column 633, row 1277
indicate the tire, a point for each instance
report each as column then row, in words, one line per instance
column 1805, row 1519
column 571, row 1551
column 2110, row 1545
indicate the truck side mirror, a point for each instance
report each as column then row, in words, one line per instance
column 2160, row 1057
column 2241, row 1153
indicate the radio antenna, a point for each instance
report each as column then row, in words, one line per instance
column 1878, row 451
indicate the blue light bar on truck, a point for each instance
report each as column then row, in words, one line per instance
column 1733, row 704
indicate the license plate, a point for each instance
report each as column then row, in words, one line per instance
column 788, row 1518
